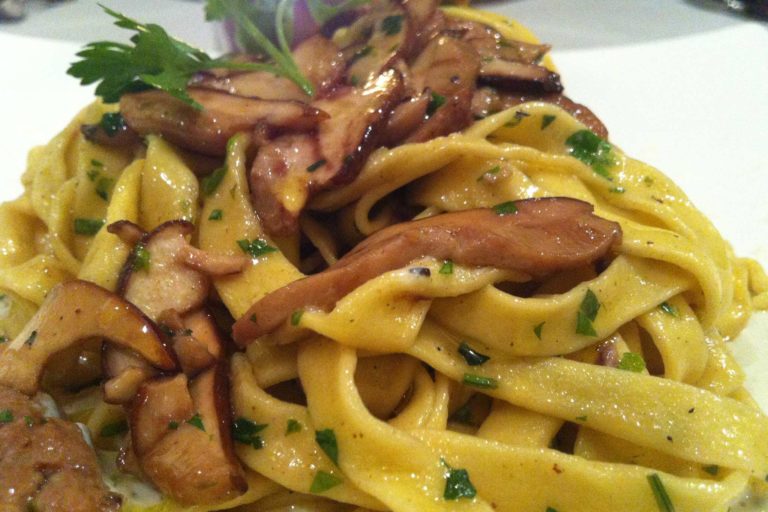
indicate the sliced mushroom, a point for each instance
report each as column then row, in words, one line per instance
column 518, row 76
column 252, row 84
column 543, row 236
column 72, row 312
column 195, row 340
column 223, row 115
column 122, row 136
column 291, row 168
column 195, row 463
column 159, row 407
column 321, row 61
column 45, row 464
column 405, row 118
column 490, row 44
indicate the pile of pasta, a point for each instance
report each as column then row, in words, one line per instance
column 540, row 424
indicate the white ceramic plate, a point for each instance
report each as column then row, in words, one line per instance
column 693, row 106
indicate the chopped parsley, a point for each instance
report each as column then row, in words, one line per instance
column 326, row 439
column 490, row 172
column 210, row 183
column 3, row 339
column 323, row 481
column 173, row 425
column 196, row 421
column 581, row 418
column 478, row 381
column 458, row 485
column 293, row 426
column 537, row 329
column 296, row 317
column 246, row 432
column 435, row 102
column 103, row 187
column 315, row 166
column 29, row 421
column 587, row 314
column 592, row 150
column 6, row 416
column 141, row 257
column 471, row 356
column 519, row 116
column 216, row 215
column 392, row 25
column 117, row 428
column 668, row 308
column 547, row 120
column 359, row 54
column 713, row 469
column 463, row 414
column 660, row 492
column 446, row 267
column 88, row 227
column 506, row 208
column 98, row 163
column 257, row 247
column 632, row 362
column 617, row 190
column 112, row 123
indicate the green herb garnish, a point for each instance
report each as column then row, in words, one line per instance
column 592, row 150
column 141, row 257
column 632, row 362
column 6, row 416
column 28, row 421
column 154, row 60
column 216, row 215
column 587, row 314
column 293, row 426
column 210, row 183
column 547, row 120
column 446, row 267
column 323, row 481
column 471, row 356
column 490, row 172
column 457, row 485
column 478, row 381
column 713, row 469
column 668, row 308
column 662, row 498
column 617, row 190
column 326, row 439
column 537, row 329
column 103, row 187
column 315, row 166
column 435, row 102
column 196, row 421
column 506, row 208
column 257, row 247
column 31, row 339
column 112, row 123
column 392, row 25
column 117, row 428
column 173, row 425
column 245, row 14
column 88, row 227
column 296, row 317
column 247, row 432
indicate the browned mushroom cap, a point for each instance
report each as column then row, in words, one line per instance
column 519, row 76
column 160, row 406
column 321, row 61
column 72, row 312
column 543, row 236
column 194, row 460
column 45, row 464
column 290, row 168
column 195, row 339
column 207, row 131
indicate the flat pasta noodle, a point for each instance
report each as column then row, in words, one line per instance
column 542, row 423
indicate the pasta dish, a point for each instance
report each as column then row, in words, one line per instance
column 375, row 260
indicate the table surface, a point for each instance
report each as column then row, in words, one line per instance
column 680, row 84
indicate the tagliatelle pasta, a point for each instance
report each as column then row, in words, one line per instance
column 606, row 387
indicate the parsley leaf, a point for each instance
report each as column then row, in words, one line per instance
column 392, row 25
column 324, row 481
column 446, row 268
column 631, row 362
column 592, row 150
column 457, row 485
column 660, row 492
column 155, row 60
column 587, row 314
column 668, row 308
column 478, row 381
column 88, row 227
column 326, row 439
column 506, row 208
column 196, row 421
column 114, row 429
column 537, row 329
column 257, row 247
column 471, row 356
column 293, row 426
column 547, row 120
column 210, row 183
column 246, row 432
column 435, row 102
column 6, row 416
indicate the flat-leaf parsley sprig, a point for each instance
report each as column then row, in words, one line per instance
column 155, row 60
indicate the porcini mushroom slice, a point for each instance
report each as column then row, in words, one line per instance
column 518, row 76
column 543, row 236
column 195, row 338
column 156, row 276
column 72, row 312
column 195, row 463
column 321, row 61
column 288, row 170
column 45, row 464
column 222, row 116
column 160, row 407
